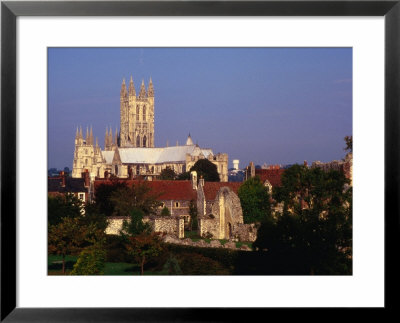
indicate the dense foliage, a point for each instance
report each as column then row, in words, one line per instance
column 143, row 247
column 255, row 201
column 138, row 196
column 165, row 211
column 167, row 174
column 103, row 200
column 91, row 261
column 349, row 143
column 62, row 206
column 315, row 226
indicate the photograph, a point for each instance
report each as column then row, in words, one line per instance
column 200, row 161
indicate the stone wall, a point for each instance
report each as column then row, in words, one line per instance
column 245, row 232
column 169, row 225
column 208, row 227
column 115, row 225
column 172, row 225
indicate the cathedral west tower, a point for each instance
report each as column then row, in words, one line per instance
column 137, row 116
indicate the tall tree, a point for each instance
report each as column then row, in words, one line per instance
column 193, row 215
column 138, row 196
column 255, row 200
column 64, row 206
column 65, row 238
column 207, row 169
column 144, row 247
column 135, row 225
column 315, row 226
column 103, row 196
column 349, row 143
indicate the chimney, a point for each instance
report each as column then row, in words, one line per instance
column 130, row 173
column 85, row 175
column 62, row 175
column 193, row 177
column 201, row 181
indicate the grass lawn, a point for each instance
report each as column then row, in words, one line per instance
column 111, row 268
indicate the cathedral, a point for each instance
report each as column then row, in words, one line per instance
column 132, row 152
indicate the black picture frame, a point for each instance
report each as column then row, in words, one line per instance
column 10, row 10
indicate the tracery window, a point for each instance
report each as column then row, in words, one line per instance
column 144, row 113
column 138, row 141
column 144, row 141
column 137, row 112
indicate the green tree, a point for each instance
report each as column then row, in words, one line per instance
column 165, row 211
column 135, row 225
column 60, row 207
column 255, row 200
column 193, row 215
column 183, row 176
column 207, row 169
column 91, row 261
column 104, row 192
column 65, row 238
column 167, row 174
column 138, row 196
column 349, row 143
column 315, row 226
column 144, row 247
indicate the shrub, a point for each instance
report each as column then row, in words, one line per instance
column 172, row 266
column 165, row 211
column 91, row 261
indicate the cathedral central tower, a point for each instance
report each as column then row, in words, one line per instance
column 137, row 116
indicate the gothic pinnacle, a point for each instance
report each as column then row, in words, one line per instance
column 150, row 90
column 123, row 88
column 142, row 93
column 132, row 91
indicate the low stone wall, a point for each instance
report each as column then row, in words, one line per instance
column 169, row 225
column 204, row 244
column 208, row 226
column 115, row 225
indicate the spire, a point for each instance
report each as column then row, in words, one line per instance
column 150, row 91
column 123, row 89
column 132, row 91
column 116, row 136
column 189, row 141
column 97, row 142
column 142, row 93
column 87, row 135
column 106, row 139
column 80, row 133
column 91, row 136
column 77, row 133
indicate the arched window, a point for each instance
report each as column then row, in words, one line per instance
column 144, row 141
column 137, row 112
column 116, row 169
column 144, row 113
column 138, row 141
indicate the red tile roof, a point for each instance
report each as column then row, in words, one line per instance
column 272, row 175
column 168, row 190
column 211, row 188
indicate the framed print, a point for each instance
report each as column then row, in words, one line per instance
column 44, row 42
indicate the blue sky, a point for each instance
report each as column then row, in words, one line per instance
column 272, row 105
